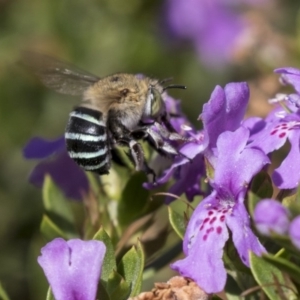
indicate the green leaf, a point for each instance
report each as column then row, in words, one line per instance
column 285, row 242
column 50, row 230
column 55, row 202
column 131, row 268
column 270, row 279
column 177, row 222
column 215, row 297
column 50, row 295
column 118, row 288
column 109, row 263
column 3, row 295
column 284, row 265
column 58, row 208
column 134, row 199
column 102, row 293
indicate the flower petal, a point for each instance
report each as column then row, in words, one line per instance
column 271, row 216
column 236, row 164
column 287, row 176
column 188, row 179
column 204, row 241
column 73, row 268
column 65, row 173
column 39, row 148
column 225, row 110
column 290, row 76
column 242, row 235
column 294, row 232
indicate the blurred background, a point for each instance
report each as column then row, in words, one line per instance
column 200, row 43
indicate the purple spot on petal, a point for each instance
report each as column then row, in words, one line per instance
column 211, row 229
column 273, row 132
column 213, row 220
column 206, row 220
column 219, row 229
column 222, row 218
column 210, row 213
column 283, row 134
column 201, row 228
column 205, row 237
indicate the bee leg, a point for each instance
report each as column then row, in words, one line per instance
column 137, row 155
column 123, row 136
column 166, row 121
column 163, row 146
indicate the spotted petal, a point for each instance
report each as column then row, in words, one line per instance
column 204, row 241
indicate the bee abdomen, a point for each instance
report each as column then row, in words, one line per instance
column 87, row 141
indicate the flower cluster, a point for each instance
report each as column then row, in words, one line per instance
column 214, row 27
column 229, row 151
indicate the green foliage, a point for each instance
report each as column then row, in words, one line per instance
column 271, row 279
column 109, row 265
column 285, row 265
column 131, row 268
column 118, row 287
column 58, row 220
column 134, row 199
column 50, row 230
column 177, row 222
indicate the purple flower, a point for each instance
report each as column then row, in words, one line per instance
column 224, row 111
column 213, row 26
column 207, row 231
column 62, row 169
column 271, row 216
column 283, row 124
column 73, row 268
column 294, row 232
column 290, row 76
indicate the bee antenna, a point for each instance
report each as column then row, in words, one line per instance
column 174, row 86
column 166, row 80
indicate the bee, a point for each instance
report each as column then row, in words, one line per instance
column 118, row 109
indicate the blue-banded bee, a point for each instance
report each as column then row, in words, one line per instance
column 117, row 109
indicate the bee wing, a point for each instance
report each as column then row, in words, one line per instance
column 57, row 75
